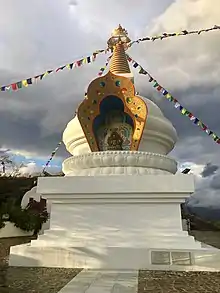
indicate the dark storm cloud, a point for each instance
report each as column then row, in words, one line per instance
column 209, row 170
column 193, row 144
column 215, row 182
column 33, row 119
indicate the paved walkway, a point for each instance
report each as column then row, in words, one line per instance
column 90, row 281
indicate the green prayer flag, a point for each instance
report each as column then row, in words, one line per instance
column 19, row 84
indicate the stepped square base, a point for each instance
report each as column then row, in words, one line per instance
column 116, row 258
column 114, row 222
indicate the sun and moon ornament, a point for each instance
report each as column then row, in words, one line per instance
column 118, row 35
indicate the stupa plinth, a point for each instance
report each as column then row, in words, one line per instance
column 118, row 206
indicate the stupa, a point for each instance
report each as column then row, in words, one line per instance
column 118, row 206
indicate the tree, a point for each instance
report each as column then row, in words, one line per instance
column 5, row 160
column 16, row 169
column 8, row 164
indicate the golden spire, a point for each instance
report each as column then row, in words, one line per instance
column 119, row 63
column 118, row 35
column 118, row 43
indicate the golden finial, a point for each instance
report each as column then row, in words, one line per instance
column 118, row 35
column 119, row 63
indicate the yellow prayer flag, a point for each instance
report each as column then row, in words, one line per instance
column 168, row 96
column 84, row 61
column 68, row 66
column 24, row 83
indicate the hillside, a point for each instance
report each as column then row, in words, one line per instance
column 202, row 218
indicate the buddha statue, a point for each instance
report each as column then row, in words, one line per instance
column 114, row 141
column 115, row 133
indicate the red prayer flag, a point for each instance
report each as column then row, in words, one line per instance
column 159, row 88
column 14, row 86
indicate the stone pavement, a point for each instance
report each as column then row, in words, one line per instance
column 90, row 281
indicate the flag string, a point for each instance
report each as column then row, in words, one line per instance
column 175, row 34
column 174, row 101
column 31, row 80
column 92, row 57
column 51, row 157
column 100, row 73
column 102, row 69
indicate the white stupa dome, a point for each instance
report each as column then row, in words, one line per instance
column 159, row 135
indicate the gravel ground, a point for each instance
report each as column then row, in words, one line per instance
column 51, row 280
column 30, row 280
column 178, row 282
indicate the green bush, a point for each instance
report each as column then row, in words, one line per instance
column 25, row 219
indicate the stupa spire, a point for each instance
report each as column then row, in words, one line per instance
column 118, row 43
column 119, row 63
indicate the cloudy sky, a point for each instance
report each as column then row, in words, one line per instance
column 39, row 35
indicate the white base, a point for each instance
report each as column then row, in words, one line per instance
column 110, row 222
column 112, row 258
column 165, row 239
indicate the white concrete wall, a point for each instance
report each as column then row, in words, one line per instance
column 116, row 210
column 144, row 217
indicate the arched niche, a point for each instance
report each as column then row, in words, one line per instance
column 113, row 128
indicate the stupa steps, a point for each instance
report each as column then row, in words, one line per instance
column 151, row 241
column 113, row 237
column 112, row 232
column 109, row 258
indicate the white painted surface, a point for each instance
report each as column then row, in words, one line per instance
column 144, row 218
column 108, row 258
column 114, row 222
column 11, row 231
column 102, row 221
column 119, row 163
column 174, row 187
column 129, row 211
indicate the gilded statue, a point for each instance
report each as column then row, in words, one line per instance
column 115, row 141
